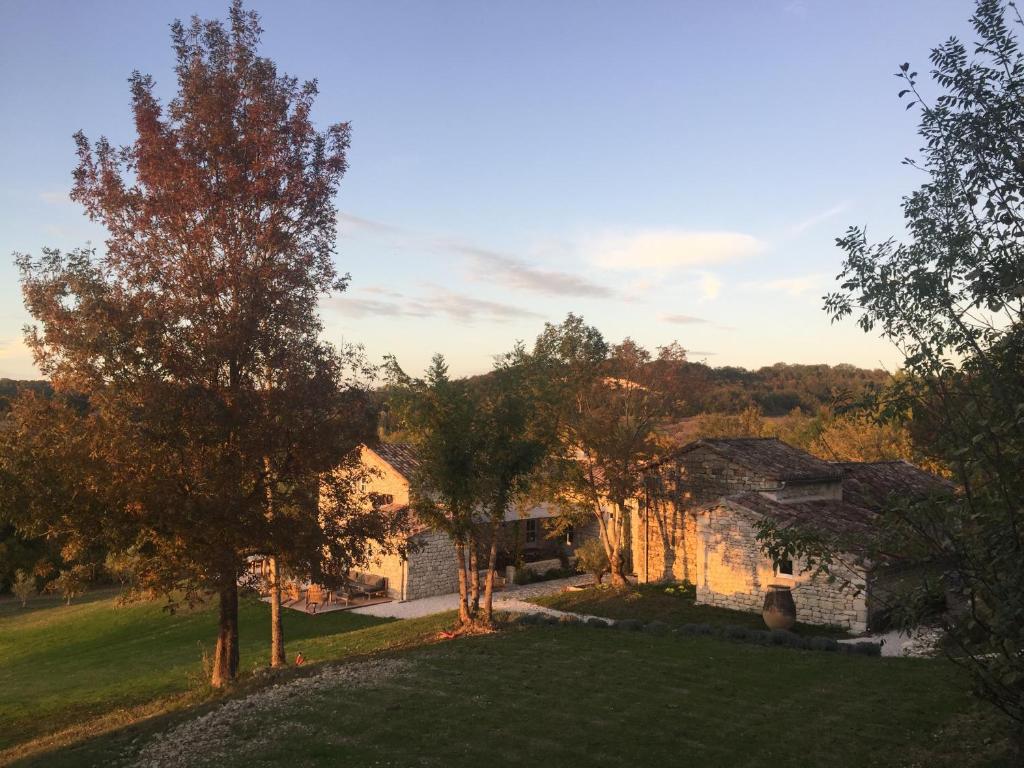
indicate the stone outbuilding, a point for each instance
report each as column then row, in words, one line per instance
column 698, row 522
column 429, row 567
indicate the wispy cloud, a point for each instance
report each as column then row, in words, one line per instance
column 682, row 319
column 812, row 221
column 490, row 265
column 485, row 264
column 791, row 286
column 672, row 248
column 348, row 222
column 436, row 302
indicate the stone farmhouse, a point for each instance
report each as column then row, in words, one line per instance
column 697, row 522
column 429, row 567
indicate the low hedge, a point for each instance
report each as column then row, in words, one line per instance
column 778, row 637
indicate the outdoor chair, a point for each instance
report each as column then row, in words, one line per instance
column 367, row 585
column 314, row 597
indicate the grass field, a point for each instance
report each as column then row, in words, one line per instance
column 538, row 695
column 576, row 696
column 61, row 666
column 649, row 602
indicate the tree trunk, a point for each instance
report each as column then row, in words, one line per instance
column 277, row 657
column 460, row 561
column 611, row 539
column 225, row 659
column 474, row 579
column 492, row 560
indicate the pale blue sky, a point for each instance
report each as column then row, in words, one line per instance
column 673, row 170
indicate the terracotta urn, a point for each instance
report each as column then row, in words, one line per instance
column 779, row 610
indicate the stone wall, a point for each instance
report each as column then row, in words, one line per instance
column 664, row 542
column 732, row 572
column 431, row 569
column 664, row 528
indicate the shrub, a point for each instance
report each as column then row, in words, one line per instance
column 591, row 558
column 569, row 619
column 70, row 583
column 760, row 636
column 23, row 587
column 862, row 648
column 629, row 624
column 697, row 629
column 656, row 627
column 824, row 644
column 737, row 633
column 598, row 623
column 780, row 637
column 683, row 589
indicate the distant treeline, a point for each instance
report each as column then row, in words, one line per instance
column 774, row 390
column 9, row 388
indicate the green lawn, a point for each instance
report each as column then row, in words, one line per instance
column 63, row 665
column 577, row 696
column 649, row 602
column 108, row 678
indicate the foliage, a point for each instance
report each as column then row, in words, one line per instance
column 71, row 582
column 606, row 403
column 592, row 558
column 479, row 443
column 950, row 298
column 23, row 587
column 188, row 372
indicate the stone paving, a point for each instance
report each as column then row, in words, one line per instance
column 508, row 599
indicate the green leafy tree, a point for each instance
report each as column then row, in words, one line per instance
column 23, row 587
column 515, row 438
column 604, row 405
column 480, row 442
column 440, row 416
column 949, row 296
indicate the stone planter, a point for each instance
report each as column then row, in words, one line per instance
column 779, row 610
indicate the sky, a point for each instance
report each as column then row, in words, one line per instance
column 671, row 171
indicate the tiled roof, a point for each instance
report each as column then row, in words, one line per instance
column 871, row 484
column 770, row 457
column 830, row 516
column 401, row 456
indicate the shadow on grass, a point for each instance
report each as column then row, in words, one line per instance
column 113, row 730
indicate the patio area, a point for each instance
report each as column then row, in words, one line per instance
column 329, row 604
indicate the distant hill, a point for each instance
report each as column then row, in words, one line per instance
column 775, row 390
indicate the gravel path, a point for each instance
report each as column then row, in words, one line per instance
column 920, row 642
column 238, row 727
column 509, row 599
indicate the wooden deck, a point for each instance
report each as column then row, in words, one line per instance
column 334, row 605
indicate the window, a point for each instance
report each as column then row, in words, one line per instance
column 569, row 536
column 531, row 531
column 786, row 568
column 386, row 498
